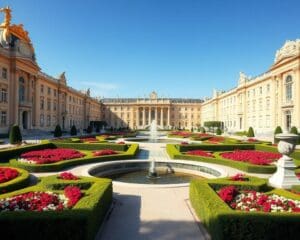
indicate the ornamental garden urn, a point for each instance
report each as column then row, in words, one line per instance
column 285, row 175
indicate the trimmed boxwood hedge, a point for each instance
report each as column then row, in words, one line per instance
column 17, row 183
column 223, row 222
column 80, row 222
column 132, row 150
column 175, row 152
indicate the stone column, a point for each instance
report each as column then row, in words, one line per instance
column 144, row 117
column 161, row 117
column 149, row 115
column 156, row 115
column 168, row 123
column 137, row 117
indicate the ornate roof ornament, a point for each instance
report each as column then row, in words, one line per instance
column 243, row 78
column 153, row 95
column 289, row 49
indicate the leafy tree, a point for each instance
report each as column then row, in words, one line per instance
column 15, row 135
column 219, row 132
column 294, row 130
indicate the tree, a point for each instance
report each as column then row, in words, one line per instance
column 89, row 129
column 294, row 130
column 57, row 131
column 202, row 130
column 73, row 131
column 15, row 135
column 219, row 132
column 250, row 132
column 278, row 130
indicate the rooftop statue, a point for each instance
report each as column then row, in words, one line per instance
column 7, row 16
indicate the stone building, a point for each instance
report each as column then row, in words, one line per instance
column 31, row 98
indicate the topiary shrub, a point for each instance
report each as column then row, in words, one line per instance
column 278, row 130
column 202, row 130
column 294, row 130
column 250, row 132
column 219, row 132
column 73, row 131
column 57, row 131
column 15, row 135
column 89, row 129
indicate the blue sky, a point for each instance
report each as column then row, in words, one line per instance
column 178, row 48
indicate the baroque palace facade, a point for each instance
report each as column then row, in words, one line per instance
column 35, row 100
column 31, row 98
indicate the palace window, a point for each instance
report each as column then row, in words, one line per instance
column 54, row 92
column 42, row 104
column 3, row 118
column 42, row 88
column 48, row 120
column 4, row 73
column 49, row 91
column 268, row 87
column 42, row 120
column 48, row 105
column 288, row 120
column 288, row 88
column 54, row 106
column 3, row 95
column 21, row 89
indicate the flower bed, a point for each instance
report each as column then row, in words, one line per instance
column 216, row 140
column 252, row 156
column 104, row 152
column 67, row 176
column 239, row 177
column 181, row 134
column 89, row 140
column 50, row 155
column 200, row 153
column 257, row 201
column 41, row 201
column 7, row 174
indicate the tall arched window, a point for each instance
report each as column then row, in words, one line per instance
column 288, row 88
column 288, row 119
column 21, row 89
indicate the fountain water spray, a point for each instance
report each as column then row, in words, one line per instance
column 153, row 136
column 153, row 131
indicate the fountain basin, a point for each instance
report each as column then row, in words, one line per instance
column 138, row 170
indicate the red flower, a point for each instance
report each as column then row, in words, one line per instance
column 238, row 177
column 67, row 176
column 73, row 193
column 228, row 193
column 51, row 155
column 7, row 174
column 252, row 140
column 252, row 156
column 200, row 153
column 104, row 152
column 216, row 140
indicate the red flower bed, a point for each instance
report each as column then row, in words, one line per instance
column 7, row 174
column 67, row 176
column 257, row 201
column 89, row 140
column 73, row 194
column 41, row 201
column 200, row 153
column 104, row 152
column 216, row 140
column 121, row 142
column 50, row 155
column 184, row 143
column 181, row 134
column 203, row 135
column 252, row 156
column 239, row 177
column 252, row 140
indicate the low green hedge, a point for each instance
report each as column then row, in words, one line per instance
column 79, row 223
column 175, row 152
column 223, row 222
column 93, row 146
column 58, row 166
column 17, row 183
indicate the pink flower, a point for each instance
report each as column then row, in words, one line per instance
column 228, row 193
column 73, row 194
column 238, row 177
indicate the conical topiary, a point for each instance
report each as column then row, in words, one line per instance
column 294, row 130
column 89, row 129
column 250, row 132
column 15, row 135
column 73, row 131
column 219, row 132
column 278, row 130
column 57, row 131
